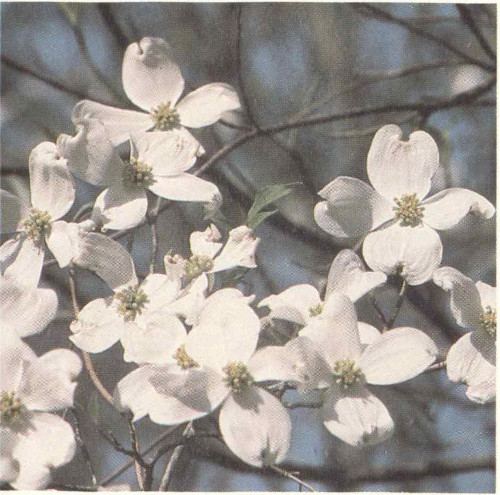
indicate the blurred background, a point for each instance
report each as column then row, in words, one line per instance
column 288, row 61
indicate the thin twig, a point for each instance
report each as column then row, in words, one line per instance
column 469, row 20
column 399, row 303
column 288, row 475
column 440, row 365
column 378, row 309
column 138, row 465
column 83, row 447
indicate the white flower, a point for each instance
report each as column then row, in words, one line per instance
column 472, row 359
column 33, row 440
column 329, row 353
column 153, row 82
column 301, row 303
column 213, row 368
column 400, row 219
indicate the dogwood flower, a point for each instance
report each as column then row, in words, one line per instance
column 329, row 353
column 472, row 359
column 301, row 303
column 399, row 221
column 213, row 368
column 153, row 81
column 34, row 441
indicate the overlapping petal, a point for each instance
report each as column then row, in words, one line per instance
column 63, row 240
column 206, row 243
column 185, row 187
column 239, row 250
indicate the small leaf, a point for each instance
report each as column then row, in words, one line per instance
column 93, row 406
column 259, row 217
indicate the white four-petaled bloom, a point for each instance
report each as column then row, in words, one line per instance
column 472, row 359
column 301, row 303
column 153, row 81
column 33, row 440
column 214, row 367
column 395, row 211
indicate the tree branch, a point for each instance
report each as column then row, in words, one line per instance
column 468, row 19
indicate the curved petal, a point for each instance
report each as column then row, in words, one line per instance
column 12, row 211
column 161, row 291
column 465, row 302
column 118, row 208
column 368, row 334
column 357, row 418
column 445, row 209
column 488, row 295
column 15, row 356
column 185, row 187
column 90, row 154
column 119, row 123
column 63, row 240
column 206, row 243
column 150, row 75
column 98, row 327
column 190, row 301
column 155, row 342
column 239, row 250
column 9, row 468
column 471, row 360
column 293, row 304
column 413, row 252
column 352, row 208
column 397, row 356
column 256, row 427
column 206, row 105
column 52, row 187
column 170, row 395
column 397, row 167
column 48, row 383
column 349, row 276
column 22, row 262
column 47, row 443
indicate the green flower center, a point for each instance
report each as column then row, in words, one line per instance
column 137, row 175
column 37, row 224
column 316, row 310
column 11, row 407
column 238, row 378
column 133, row 300
column 196, row 265
column 165, row 117
column 408, row 210
column 488, row 321
column 346, row 373
column 184, row 360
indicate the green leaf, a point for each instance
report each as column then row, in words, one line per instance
column 93, row 406
column 71, row 11
column 264, row 198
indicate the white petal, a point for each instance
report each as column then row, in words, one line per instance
column 206, row 243
column 349, row 276
column 169, row 394
column 160, row 290
column 256, row 427
column 63, row 240
column 185, row 187
column 190, row 301
column 22, row 262
column 175, row 266
column 12, row 210
column 48, row 383
column 15, row 356
column 168, row 153
column 488, row 295
column 9, row 468
column 51, row 184
column 471, row 360
column 107, row 258
column 98, row 326
column 118, row 208
column 445, row 209
column 352, row 208
column 155, row 342
column 239, row 250
column 47, row 443
column 228, row 332
column 150, row 75
column 90, row 154
column 293, row 304
column 207, row 104
column 397, row 167
column 228, row 294
column 335, row 331
column 414, row 252
column 397, row 356
column 465, row 301
column 357, row 418
column 119, row 123
column 368, row 334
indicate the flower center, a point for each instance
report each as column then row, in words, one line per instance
column 37, row 224
column 137, row 175
column 11, row 407
column 346, row 373
column 196, row 265
column 488, row 321
column 238, row 378
column 184, row 360
column 165, row 117
column 316, row 309
column 133, row 300
column 408, row 210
